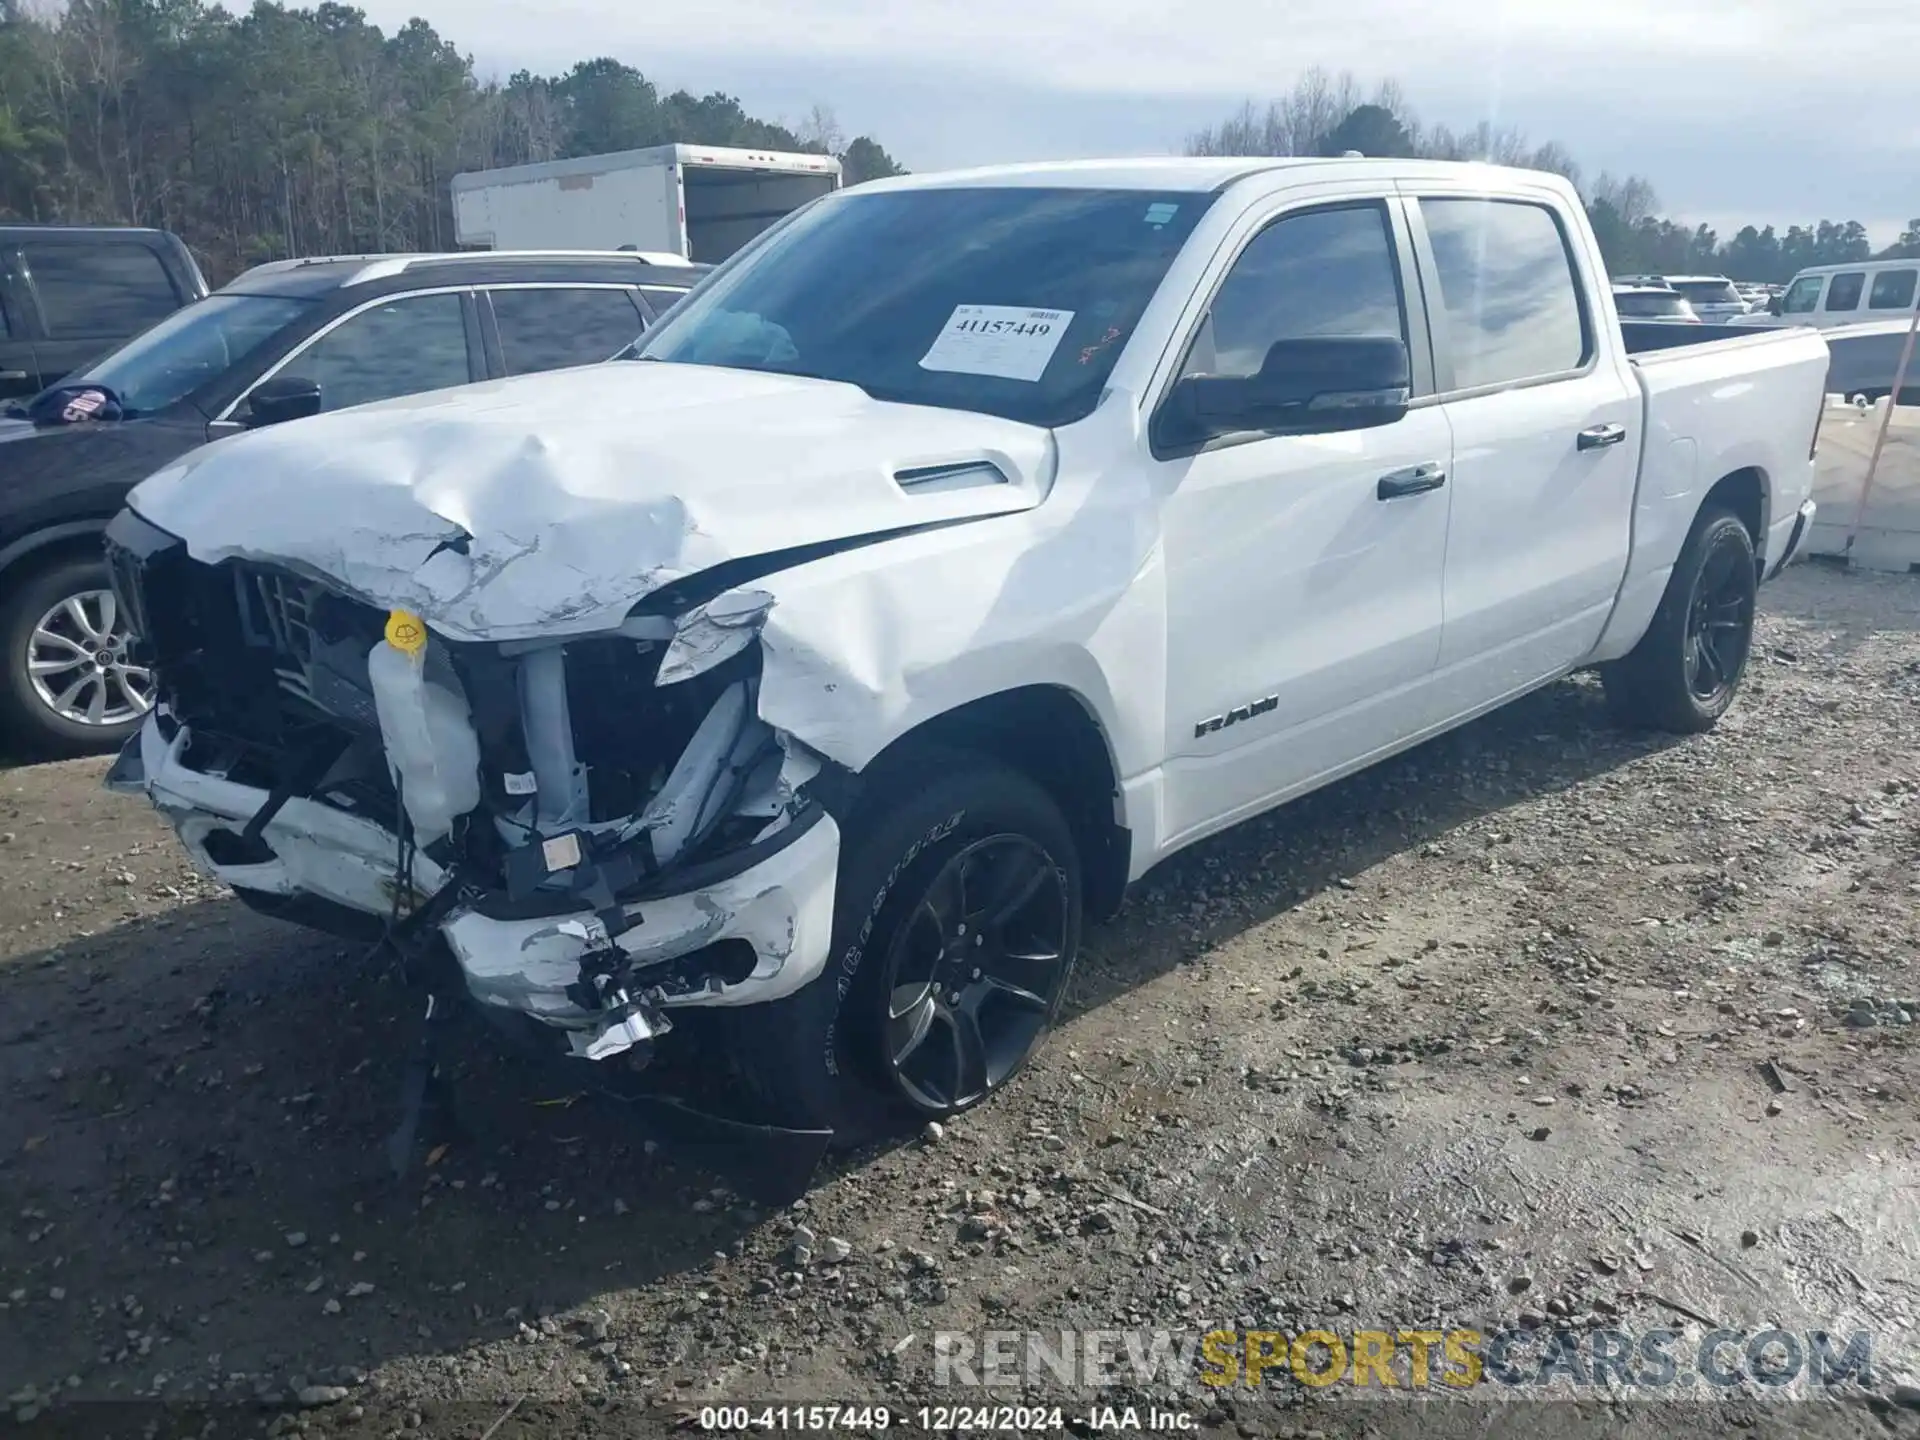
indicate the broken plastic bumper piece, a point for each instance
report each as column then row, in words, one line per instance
column 648, row 963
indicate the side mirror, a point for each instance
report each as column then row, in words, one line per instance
column 285, row 397
column 1304, row 387
column 1773, row 304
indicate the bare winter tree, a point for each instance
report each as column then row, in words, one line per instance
column 1328, row 114
column 1320, row 106
column 1298, row 122
column 1632, row 199
column 821, row 131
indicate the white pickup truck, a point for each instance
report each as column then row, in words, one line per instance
column 965, row 547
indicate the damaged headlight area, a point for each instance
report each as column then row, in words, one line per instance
column 713, row 633
column 601, row 829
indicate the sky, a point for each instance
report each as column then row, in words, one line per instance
column 1762, row 111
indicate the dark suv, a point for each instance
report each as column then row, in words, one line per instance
column 70, row 293
column 285, row 340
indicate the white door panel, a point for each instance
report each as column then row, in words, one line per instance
column 1303, row 607
column 1303, row 610
column 1547, row 438
column 1540, row 530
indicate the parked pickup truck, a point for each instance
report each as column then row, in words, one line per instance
column 988, row 538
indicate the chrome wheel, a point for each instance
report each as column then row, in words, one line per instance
column 975, row 972
column 78, row 666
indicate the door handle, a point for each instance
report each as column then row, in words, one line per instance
column 1598, row 437
column 1414, row 480
column 13, row 374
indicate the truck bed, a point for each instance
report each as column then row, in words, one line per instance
column 1861, row 358
column 1731, row 403
column 1645, row 337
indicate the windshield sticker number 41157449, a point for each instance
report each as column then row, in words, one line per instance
column 1008, row 342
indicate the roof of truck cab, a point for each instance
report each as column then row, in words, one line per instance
column 322, row 275
column 1194, row 174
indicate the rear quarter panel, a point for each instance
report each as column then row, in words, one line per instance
column 1714, row 409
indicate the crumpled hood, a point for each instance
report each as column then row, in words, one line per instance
column 575, row 493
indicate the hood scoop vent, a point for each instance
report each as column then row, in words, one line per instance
column 959, row 475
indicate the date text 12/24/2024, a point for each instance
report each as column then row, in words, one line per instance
column 939, row 1419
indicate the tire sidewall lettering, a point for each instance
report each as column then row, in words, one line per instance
column 855, row 953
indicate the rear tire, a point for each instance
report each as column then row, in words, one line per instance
column 65, row 656
column 956, row 924
column 1686, row 669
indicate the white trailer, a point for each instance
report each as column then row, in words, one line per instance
column 701, row 202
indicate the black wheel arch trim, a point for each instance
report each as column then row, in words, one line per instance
column 35, row 541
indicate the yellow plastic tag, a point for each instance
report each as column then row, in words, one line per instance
column 406, row 632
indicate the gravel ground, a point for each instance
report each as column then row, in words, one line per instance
column 1538, row 1029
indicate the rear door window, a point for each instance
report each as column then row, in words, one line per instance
column 1844, row 292
column 398, row 347
column 108, row 289
column 19, row 369
column 1507, row 290
column 1707, row 292
column 661, row 298
column 1645, row 306
column 1892, row 290
column 549, row 328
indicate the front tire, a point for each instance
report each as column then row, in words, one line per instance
column 68, row 686
column 956, row 924
column 1687, row 668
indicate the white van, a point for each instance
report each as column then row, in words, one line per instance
column 1843, row 295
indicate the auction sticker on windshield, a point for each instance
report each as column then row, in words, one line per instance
column 1005, row 341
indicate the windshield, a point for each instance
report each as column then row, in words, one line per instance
column 1708, row 292
column 1013, row 301
column 1652, row 307
column 161, row 366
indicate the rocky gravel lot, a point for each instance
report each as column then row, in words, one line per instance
column 1542, row 1028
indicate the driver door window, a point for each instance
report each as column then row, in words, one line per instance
column 398, row 347
column 1324, row 273
column 1803, row 295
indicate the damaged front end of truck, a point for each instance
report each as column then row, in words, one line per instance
column 601, row 829
column 500, row 680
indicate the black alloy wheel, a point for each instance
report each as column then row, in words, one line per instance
column 974, row 973
column 1685, row 671
column 1719, row 626
column 957, row 921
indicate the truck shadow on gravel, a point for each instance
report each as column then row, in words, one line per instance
column 193, row 1144
column 1542, row 744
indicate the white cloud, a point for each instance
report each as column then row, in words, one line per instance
column 1216, row 46
column 1662, row 87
